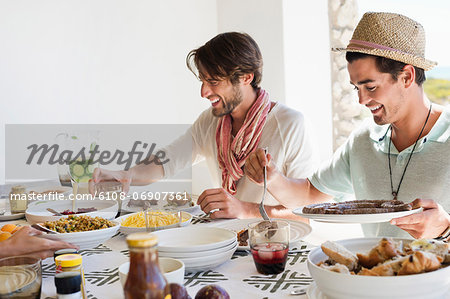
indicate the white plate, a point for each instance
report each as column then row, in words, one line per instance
column 194, row 238
column 129, row 230
column 86, row 240
column 313, row 292
column 37, row 210
column 182, row 255
column 299, row 230
column 355, row 218
column 9, row 216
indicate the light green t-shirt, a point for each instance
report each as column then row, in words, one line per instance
column 360, row 168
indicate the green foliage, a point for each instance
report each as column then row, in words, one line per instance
column 438, row 90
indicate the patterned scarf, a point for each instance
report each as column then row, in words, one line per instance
column 232, row 154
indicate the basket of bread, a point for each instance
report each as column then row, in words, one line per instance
column 381, row 268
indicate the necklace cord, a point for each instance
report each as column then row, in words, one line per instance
column 395, row 193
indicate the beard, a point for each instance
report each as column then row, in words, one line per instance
column 229, row 103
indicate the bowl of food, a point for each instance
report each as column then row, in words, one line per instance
column 173, row 270
column 48, row 210
column 84, row 231
column 157, row 220
column 381, row 268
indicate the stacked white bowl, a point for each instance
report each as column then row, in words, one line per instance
column 200, row 248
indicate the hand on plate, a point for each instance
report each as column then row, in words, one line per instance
column 428, row 224
column 224, row 204
column 254, row 167
column 101, row 175
column 26, row 242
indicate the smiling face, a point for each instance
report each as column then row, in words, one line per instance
column 223, row 95
column 378, row 91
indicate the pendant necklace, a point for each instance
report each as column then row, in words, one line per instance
column 395, row 193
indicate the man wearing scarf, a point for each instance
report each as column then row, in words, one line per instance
column 242, row 118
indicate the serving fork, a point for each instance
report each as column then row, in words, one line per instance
column 262, row 210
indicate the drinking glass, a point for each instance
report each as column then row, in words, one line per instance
column 77, row 172
column 110, row 190
column 21, row 277
column 269, row 244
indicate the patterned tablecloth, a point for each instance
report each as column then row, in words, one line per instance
column 238, row 276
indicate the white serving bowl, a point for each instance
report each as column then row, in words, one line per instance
column 172, row 269
column 129, row 230
column 37, row 210
column 87, row 239
column 194, row 238
column 430, row 285
column 207, row 262
column 201, row 253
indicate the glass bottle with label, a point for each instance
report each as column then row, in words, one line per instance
column 71, row 263
column 145, row 279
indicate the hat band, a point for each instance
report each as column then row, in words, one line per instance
column 360, row 44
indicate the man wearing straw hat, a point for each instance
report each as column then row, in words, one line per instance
column 404, row 155
column 242, row 118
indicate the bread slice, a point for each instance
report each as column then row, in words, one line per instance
column 388, row 268
column 340, row 254
column 385, row 250
column 420, row 262
column 338, row 268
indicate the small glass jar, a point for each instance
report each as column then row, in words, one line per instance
column 145, row 279
column 71, row 263
column 18, row 199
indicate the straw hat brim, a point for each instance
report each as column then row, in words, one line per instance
column 419, row 62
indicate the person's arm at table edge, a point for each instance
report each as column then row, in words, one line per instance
column 293, row 193
column 144, row 174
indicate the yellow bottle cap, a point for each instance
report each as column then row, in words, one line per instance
column 68, row 260
column 142, row 240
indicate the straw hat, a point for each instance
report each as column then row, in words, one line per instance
column 392, row 36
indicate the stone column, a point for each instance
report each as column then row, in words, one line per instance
column 347, row 112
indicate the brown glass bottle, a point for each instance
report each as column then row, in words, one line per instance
column 145, row 279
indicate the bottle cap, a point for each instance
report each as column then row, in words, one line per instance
column 68, row 260
column 142, row 240
column 68, row 282
column 64, row 251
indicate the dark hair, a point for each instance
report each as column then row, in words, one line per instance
column 386, row 65
column 228, row 56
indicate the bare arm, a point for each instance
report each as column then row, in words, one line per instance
column 26, row 242
column 226, row 205
column 290, row 192
column 144, row 174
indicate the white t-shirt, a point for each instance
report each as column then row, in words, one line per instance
column 284, row 134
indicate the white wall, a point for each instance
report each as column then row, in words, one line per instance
column 307, row 63
column 110, row 61
column 263, row 20
column 100, row 61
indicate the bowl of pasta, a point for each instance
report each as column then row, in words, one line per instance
column 157, row 220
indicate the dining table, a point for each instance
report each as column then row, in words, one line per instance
column 238, row 276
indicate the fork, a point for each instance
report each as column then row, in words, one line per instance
column 262, row 211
